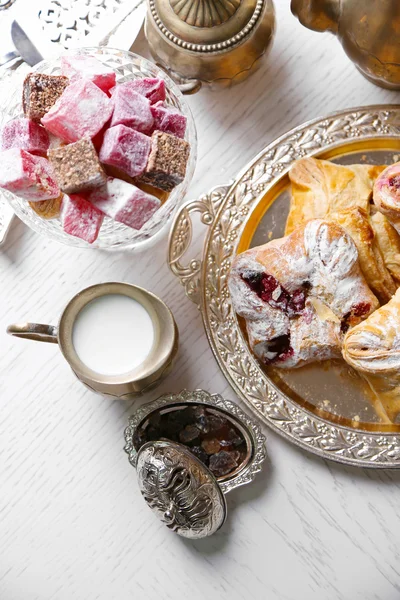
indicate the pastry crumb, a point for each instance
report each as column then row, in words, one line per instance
column 270, row 234
column 356, row 418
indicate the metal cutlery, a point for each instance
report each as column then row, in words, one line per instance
column 24, row 45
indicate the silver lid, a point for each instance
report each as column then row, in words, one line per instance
column 180, row 489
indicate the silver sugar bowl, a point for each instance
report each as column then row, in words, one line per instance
column 184, row 489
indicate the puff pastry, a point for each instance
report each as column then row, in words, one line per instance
column 320, row 188
column 373, row 349
column 299, row 294
column 388, row 241
column 387, row 194
column 356, row 223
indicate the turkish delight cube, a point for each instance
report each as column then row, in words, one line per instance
column 40, row 93
column 48, row 209
column 81, row 111
column 81, row 218
column 125, row 149
column 26, row 135
column 167, row 162
column 77, row 166
column 88, row 67
column 27, row 176
column 169, row 120
column 131, row 109
column 124, row 202
column 152, row 88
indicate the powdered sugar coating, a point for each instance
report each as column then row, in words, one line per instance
column 131, row 109
column 319, row 260
column 125, row 149
column 168, row 120
column 80, row 218
column 374, row 345
column 81, row 65
column 152, row 88
column 373, row 349
column 81, row 111
column 124, row 202
column 26, row 135
column 28, row 176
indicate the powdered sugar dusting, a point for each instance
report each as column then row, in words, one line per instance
column 124, row 202
column 320, row 259
column 374, row 345
column 81, row 111
column 373, row 349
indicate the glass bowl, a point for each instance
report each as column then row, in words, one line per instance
column 113, row 235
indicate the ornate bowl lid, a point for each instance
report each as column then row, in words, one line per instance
column 180, row 489
column 206, row 26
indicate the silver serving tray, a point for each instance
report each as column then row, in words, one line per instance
column 321, row 408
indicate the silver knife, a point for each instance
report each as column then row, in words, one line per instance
column 23, row 44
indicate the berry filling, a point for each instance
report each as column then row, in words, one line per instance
column 358, row 310
column 394, row 182
column 269, row 290
column 279, row 348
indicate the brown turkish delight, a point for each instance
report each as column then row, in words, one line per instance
column 40, row 93
column 77, row 167
column 166, row 166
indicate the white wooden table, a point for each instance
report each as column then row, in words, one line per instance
column 73, row 525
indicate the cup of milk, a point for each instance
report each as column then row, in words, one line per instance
column 119, row 339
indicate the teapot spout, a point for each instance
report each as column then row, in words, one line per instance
column 319, row 15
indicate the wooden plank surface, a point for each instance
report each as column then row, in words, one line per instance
column 73, row 525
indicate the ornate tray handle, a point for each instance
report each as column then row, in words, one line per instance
column 181, row 237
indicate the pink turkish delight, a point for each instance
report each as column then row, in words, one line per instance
column 125, row 149
column 81, row 111
column 124, row 202
column 152, row 88
column 131, row 109
column 168, row 120
column 81, row 218
column 88, row 67
column 26, row 135
column 27, row 176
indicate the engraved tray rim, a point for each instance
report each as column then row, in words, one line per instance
column 225, row 210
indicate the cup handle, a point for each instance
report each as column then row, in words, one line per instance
column 34, row 331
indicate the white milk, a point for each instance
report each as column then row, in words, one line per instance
column 113, row 334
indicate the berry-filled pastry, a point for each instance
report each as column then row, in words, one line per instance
column 300, row 294
column 373, row 349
